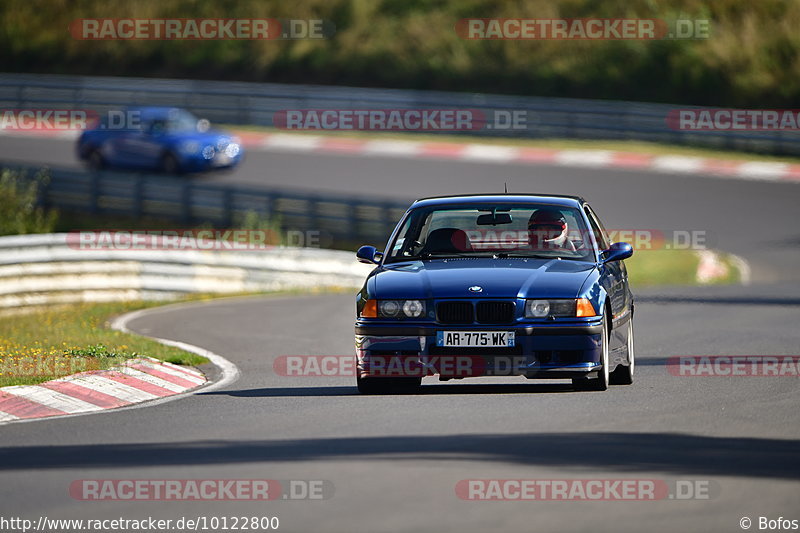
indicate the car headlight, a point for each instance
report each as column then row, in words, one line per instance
column 559, row 308
column 400, row 308
column 232, row 150
column 190, row 147
column 389, row 308
column 413, row 308
column 208, row 152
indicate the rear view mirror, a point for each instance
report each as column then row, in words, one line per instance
column 493, row 219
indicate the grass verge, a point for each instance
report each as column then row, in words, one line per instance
column 673, row 267
column 54, row 342
column 51, row 343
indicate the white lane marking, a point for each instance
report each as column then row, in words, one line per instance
column 489, row 153
column 744, row 268
column 757, row 170
column 291, row 142
column 229, row 371
column 392, row 148
column 186, row 373
column 7, row 417
column 121, row 391
column 51, row 398
column 677, row 163
column 585, row 158
column 153, row 380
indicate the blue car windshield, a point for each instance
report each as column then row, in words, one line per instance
column 493, row 230
column 177, row 121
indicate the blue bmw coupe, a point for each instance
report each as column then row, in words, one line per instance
column 166, row 139
column 495, row 285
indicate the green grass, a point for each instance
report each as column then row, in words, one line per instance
column 749, row 60
column 641, row 147
column 672, row 267
column 51, row 343
column 48, row 343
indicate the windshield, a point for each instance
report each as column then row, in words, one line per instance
column 176, row 121
column 493, row 230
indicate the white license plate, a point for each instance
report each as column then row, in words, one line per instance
column 475, row 339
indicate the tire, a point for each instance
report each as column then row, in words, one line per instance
column 388, row 385
column 371, row 385
column 600, row 383
column 170, row 164
column 623, row 375
column 95, row 161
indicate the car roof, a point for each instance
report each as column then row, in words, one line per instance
column 521, row 198
column 151, row 112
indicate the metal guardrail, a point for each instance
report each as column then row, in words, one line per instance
column 46, row 269
column 257, row 103
column 343, row 219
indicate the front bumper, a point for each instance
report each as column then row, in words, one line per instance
column 564, row 350
column 220, row 161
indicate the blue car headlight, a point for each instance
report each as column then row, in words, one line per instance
column 189, row 147
column 209, row 152
column 232, row 150
column 559, row 308
column 401, row 308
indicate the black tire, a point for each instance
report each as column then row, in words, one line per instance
column 600, row 383
column 623, row 374
column 170, row 164
column 388, row 385
column 95, row 161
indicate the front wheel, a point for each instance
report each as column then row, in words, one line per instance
column 170, row 164
column 388, row 385
column 600, row 383
column 623, row 375
column 95, row 160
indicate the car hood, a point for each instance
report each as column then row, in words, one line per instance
column 206, row 137
column 498, row 278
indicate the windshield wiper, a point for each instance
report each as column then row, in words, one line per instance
column 528, row 255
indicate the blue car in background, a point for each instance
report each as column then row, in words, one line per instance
column 165, row 139
column 495, row 285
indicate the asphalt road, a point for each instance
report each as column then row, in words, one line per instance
column 394, row 461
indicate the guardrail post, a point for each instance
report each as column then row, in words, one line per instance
column 94, row 192
column 227, row 208
column 352, row 221
column 138, row 197
column 186, row 203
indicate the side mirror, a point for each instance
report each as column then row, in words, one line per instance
column 369, row 255
column 203, row 125
column 617, row 252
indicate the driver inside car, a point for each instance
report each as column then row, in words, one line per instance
column 547, row 230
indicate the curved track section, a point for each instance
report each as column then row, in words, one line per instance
column 395, row 461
